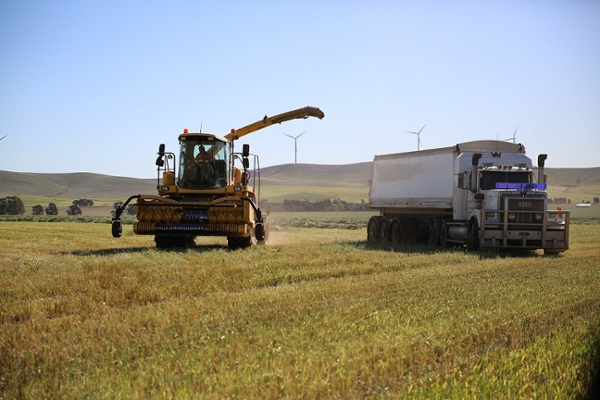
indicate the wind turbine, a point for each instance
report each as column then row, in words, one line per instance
column 514, row 137
column 295, row 145
column 418, row 137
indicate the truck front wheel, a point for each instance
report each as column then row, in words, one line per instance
column 473, row 236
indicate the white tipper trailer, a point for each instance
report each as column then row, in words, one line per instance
column 481, row 194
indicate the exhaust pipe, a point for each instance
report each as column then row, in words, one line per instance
column 474, row 168
column 541, row 163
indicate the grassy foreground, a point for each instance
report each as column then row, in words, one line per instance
column 316, row 314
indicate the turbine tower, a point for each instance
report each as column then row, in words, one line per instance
column 418, row 137
column 295, row 145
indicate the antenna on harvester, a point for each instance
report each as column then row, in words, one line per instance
column 3, row 137
column 295, row 145
column 418, row 137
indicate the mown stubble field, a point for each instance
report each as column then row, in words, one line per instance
column 319, row 313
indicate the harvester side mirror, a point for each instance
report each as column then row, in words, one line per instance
column 161, row 152
column 246, row 150
column 246, row 162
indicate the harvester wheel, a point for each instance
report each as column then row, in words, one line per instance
column 261, row 232
column 117, row 228
column 167, row 242
column 234, row 242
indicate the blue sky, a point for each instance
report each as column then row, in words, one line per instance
column 96, row 86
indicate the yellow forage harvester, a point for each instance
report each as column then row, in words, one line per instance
column 211, row 191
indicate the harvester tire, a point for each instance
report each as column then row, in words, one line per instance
column 167, row 242
column 261, row 232
column 234, row 242
column 117, row 229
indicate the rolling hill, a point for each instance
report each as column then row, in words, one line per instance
column 292, row 181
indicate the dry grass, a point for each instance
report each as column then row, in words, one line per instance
column 317, row 314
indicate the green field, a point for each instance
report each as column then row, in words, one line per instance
column 318, row 313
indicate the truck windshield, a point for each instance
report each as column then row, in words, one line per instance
column 490, row 178
column 203, row 163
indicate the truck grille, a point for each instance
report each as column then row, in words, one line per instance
column 525, row 209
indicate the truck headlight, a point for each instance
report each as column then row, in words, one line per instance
column 490, row 217
column 538, row 217
column 555, row 218
column 512, row 217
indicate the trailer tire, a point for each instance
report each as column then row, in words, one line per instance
column 396, row 235
column 444, row 235
column 384, row 229
column 434, row 233
column 373, row 229
column 410, row 231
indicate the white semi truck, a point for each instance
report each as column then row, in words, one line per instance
column 481, row 194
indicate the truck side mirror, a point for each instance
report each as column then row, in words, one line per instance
column 474, row 168
column 246, row 150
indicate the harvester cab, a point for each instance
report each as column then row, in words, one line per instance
column 212, row 191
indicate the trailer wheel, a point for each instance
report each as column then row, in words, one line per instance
column 384, row 229
column 434, row 233
column 444, row 235
column 473, row 236
column 373, row 229
column 396, row 231
column 410, row 230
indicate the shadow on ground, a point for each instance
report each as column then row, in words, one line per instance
column 133, row 250
column 426, row 249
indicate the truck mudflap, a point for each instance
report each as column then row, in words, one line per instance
column 551, row 233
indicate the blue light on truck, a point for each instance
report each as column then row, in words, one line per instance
column 520, row 186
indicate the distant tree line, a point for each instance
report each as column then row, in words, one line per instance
column 318, row 205
column 13, row 205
